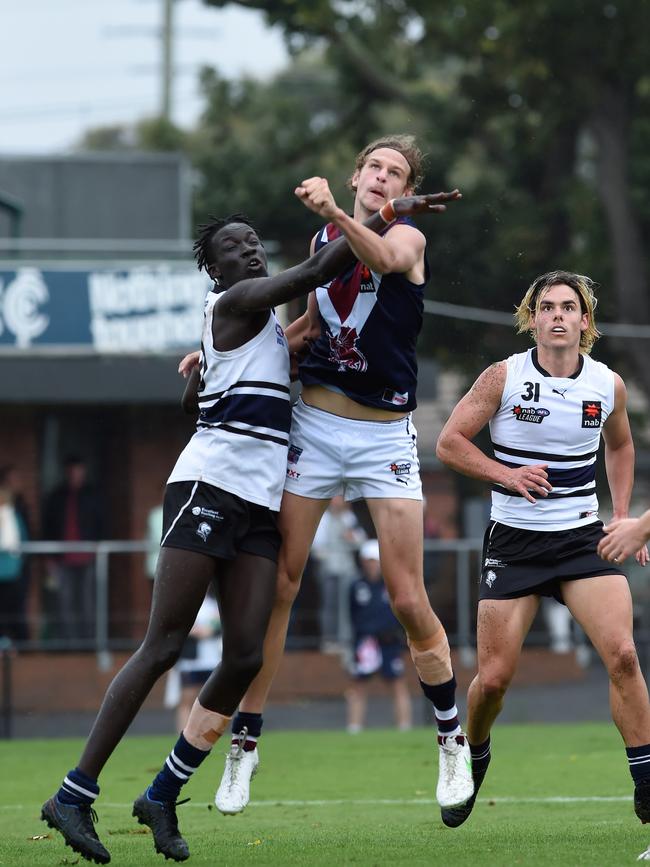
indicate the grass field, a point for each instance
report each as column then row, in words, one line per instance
column 554, row 795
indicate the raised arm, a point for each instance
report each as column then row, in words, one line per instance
column 249, row 296
column 456, row 449
column 400, row 249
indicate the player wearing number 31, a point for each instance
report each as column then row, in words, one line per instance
column 546, row 409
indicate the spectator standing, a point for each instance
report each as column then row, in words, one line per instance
column 338, row 536
column 73, row 513
column 13, row 531
column 378, row 643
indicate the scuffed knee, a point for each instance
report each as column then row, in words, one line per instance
column 624, row 662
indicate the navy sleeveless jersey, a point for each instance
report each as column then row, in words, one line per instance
column 369, row 328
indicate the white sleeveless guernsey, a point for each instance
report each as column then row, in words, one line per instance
column 555, row 421
column 242, row 435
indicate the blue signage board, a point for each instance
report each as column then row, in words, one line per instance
column 129, row 309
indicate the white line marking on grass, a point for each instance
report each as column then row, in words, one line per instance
column 373, row 802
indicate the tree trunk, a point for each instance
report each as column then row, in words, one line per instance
column 610, row 124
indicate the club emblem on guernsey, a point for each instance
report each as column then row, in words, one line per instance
column 344, row 352
column 592, row 413
column 532, row 414
column 203, row 530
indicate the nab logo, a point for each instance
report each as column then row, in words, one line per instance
column 592, row 413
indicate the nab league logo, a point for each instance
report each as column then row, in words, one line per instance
column 532, row 414
column 344, row 352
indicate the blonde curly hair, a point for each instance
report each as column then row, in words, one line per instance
column 584, row 288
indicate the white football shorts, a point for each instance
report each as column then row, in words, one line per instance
column 330, row 454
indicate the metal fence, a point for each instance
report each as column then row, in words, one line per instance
column 451, row 577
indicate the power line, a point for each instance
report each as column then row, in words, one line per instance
column 495, row 317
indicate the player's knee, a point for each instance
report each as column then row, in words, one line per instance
column 495, row 682
column 624, row 661
column 243, row 666
column 287, row 587
column 163, row 653
column 407, row 607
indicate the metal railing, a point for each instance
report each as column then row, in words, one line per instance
column 102, row 551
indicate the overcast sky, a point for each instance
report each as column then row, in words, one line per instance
column 69, row 65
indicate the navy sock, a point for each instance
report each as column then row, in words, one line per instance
column 443, row 698
column 78, row 788
column 179, row 766
column 253, row 722
column 639, row 761
column 480, row 757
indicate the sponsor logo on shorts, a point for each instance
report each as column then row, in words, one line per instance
column 200, row 512
column 494, row 563
column 203, row 530
column 592, row 413
column 293, row 474
column 399, row 470
column 532, row 414
column 490, row 578
column 588, row 514
column 395, row 397
column 293, row 455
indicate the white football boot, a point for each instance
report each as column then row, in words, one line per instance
column 234, row 790
column 455, row 783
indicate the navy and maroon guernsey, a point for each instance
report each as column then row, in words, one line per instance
column 369, row 329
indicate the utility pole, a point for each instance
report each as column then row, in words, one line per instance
column 167, row 62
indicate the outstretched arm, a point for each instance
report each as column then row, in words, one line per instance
column 249, row 296
column 619, row 464
column 456, row 449
column 624, row 537
column 394, row 253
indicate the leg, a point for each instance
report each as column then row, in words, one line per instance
column 603, row 607
column 182, row 578
column 501, row 627
column 246, row 593
column 399, row 525
column 299, row 518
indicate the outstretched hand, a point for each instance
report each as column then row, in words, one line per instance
column 429, row 203
column 188, row 363
column 622, row 538
column 316, row 195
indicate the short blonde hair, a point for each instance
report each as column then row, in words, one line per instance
column 403, row 144
column 582, row 286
